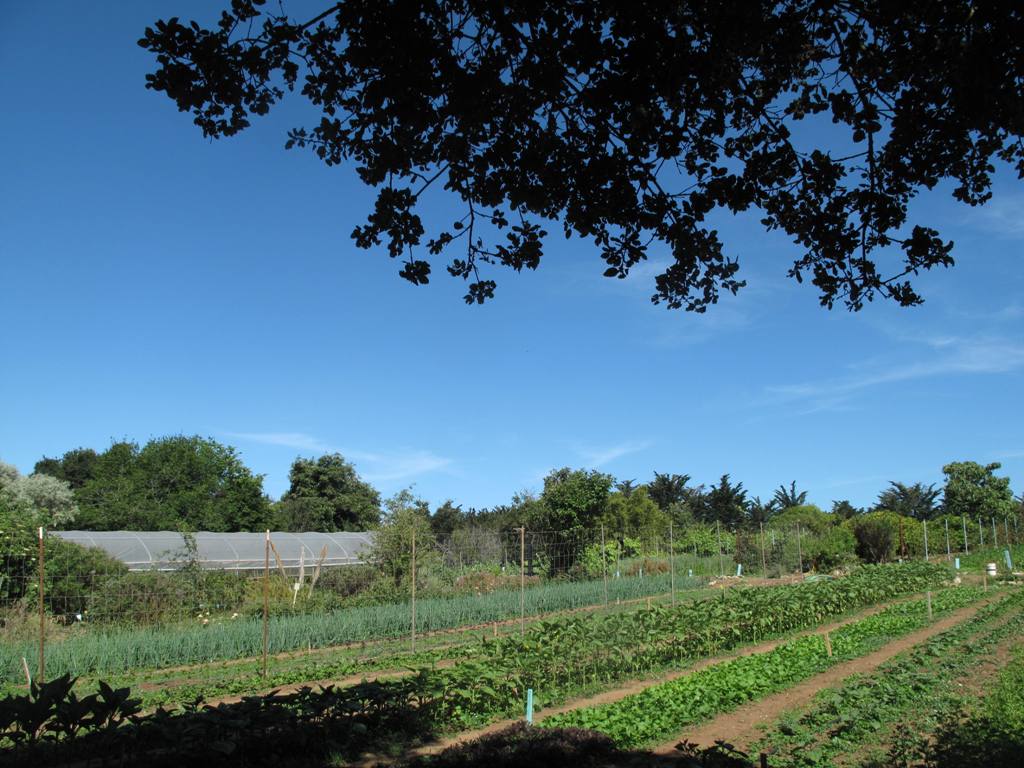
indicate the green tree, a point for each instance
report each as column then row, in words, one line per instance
column 918, row 501
column 760, row 511
column 973, row 489
column 844, row 510
column 525, row 114
column 633, row 513
column 48, row 501
column 75, row 466
column 326, row 494
column 810, row 518
column 726, row 503
column 173, row 483
column 572, row 499
column 785, row 498
column 668, row 489
column 18, row 545
column 446, row 519
column 404, row 516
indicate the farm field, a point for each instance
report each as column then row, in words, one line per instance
column 573, row 657
column 105, row 651
column 343, row 665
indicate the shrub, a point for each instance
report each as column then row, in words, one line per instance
column 73, row 573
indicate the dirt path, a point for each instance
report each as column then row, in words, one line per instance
column 635, row 686
column 741, row 727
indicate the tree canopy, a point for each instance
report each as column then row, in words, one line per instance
column 172, row 483
column 974, row 490
column 919, row 501
column 572, row 499
column 326, row 494
column 630, row 124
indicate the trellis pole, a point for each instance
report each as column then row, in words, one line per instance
column 995, row 536
column 41, row 674
column 413, row 578
column 764, row 562
column 948, row 552
column 522, row 580
column 926, row 541
column 799, row 549
column 721, row 561
column 604, row 566
column 266, row 599
column 671, row 563
column 981, row 533
column 963, row 522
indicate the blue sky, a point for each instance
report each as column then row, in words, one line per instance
column 156, row 283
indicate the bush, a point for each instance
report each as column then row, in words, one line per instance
column 878, row 536
column 810, row 518
column 835, row 549
column 73, row 573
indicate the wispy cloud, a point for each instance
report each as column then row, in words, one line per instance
column 374, row 467
column 1002, row 215
column 599, row 456
column 949, row 355
column 300, row 441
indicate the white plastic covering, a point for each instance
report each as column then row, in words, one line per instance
column 166, row 550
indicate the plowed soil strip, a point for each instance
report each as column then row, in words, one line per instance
column 741, row 727
column 636, row 686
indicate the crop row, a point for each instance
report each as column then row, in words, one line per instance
column 563, row 657
column 109, row 651
column 663, row 710
column 493, row 683
column 854, row 714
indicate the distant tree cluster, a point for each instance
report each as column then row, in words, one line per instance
column 193, row 483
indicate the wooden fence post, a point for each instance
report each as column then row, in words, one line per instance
column 671, row 562
column 413, row 636
column 721, row 562
column 604, row 566
column 266, row 599
column 522, row 580
column 764, row 562
column 41, row 674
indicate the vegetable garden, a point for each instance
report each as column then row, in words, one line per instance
column 560, row 660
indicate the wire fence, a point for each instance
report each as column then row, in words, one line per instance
column 69, row 606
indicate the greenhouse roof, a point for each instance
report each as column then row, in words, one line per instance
column 167, row 550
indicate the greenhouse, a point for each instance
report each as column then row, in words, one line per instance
column 169, row 550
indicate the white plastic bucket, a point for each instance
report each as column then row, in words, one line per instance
column 990, row 569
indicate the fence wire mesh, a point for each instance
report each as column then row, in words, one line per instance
column 89, row 613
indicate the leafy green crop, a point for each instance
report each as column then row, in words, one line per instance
column 919, row 681
column 658, row 712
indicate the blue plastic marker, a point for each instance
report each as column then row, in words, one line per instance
column 1009, row 561
column 529, row 705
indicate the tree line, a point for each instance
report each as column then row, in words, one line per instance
column 193, row 483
